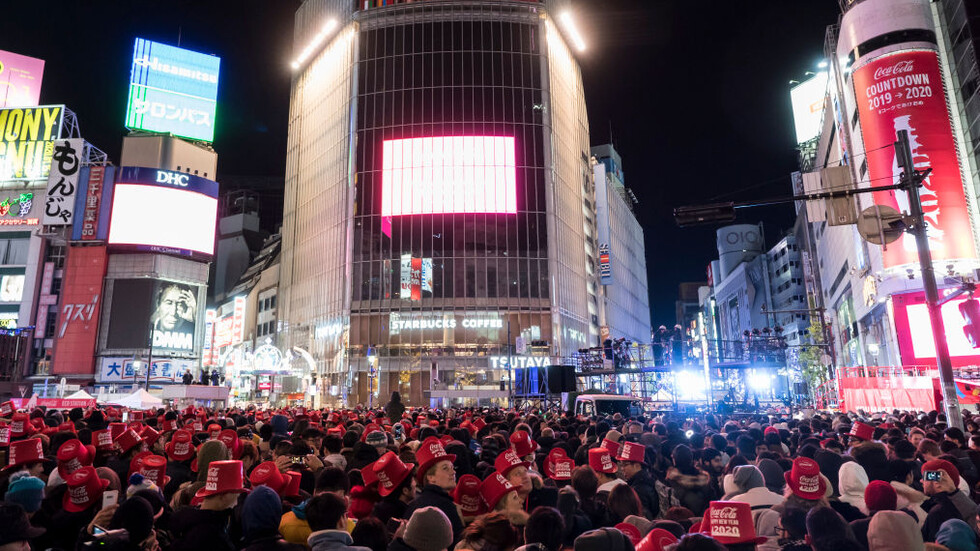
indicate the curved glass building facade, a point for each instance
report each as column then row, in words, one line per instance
column 439, row 219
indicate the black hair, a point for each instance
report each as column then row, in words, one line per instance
column 793, row 520
column 324, row 511
column 699, row 542
column 370, row 532
column 332, row 443
column 331, row 479
column 545, row 526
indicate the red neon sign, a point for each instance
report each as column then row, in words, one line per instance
column 449, row 175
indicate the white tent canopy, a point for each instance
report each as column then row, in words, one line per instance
column 141, row 399
column 80, row 395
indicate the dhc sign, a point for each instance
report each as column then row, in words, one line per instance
column 172, row 178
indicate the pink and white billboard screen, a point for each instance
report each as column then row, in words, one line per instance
column 449, row 175
column 20, row 80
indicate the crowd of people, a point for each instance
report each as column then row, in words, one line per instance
column 483, row 479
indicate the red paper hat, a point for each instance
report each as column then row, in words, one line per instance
column 197, row 425
column 433, row 423
column 601, row 461
column 657, row 540
column 168, row 425
column 135, row 415
column 730, row 522
column 467, row 496
column 469, row 426
column 214, row 430
column 134, row 463
column 128, row 440
column 521, row 441
column 102, row 440
column 630, row 531
column 180, row 447
column 21, row 426
column 558, row 466
column 115, row 429
column 494, row 488
column 4, row 435
column 631, row 451
column 230, row 439
column 446, row 440
column 610, row 445
column 368, row 430
column 24, row 452
column 72, row 455
column 7, row 409
column 84, row 490
column 268, row 474
column 479, row 423
column 154, row 468
column 429, row 453
column 507, row 461
column 149, row 436
column 391, row 472
column 862, row 431
column 805, row 479
column 335, row 430
column 291, row 486
column 413, row 434
column 771, row 430
column 223, row 477
column 370, row 478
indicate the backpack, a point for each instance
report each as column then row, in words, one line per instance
column 666, row 496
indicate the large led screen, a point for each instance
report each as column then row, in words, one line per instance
column 449, row 175
column 163, row 211
column 808, row 100
column 914, row 330
column 172, row 90
column 138, row 306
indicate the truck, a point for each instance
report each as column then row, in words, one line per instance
column 607, row 404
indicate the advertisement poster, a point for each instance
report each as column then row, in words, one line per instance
column 20, row 79
column 904, row 91
column 78, row 315
column 167, row 308
column 27, row 138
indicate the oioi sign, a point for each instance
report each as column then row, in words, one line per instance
column 172, row 90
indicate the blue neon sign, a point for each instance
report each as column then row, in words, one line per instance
column 172, row 90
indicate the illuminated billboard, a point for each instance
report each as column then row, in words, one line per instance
column 172, row 90
column 168, row 308
column 808, row 101
column 904, row 91
column 78, row 314
column 163, row 211
column 914, row 331
column 416, row 277
column 20, row 79
column 449, row 175
column 27, row 138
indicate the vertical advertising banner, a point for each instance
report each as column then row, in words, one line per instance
column 207, row 349
column 238, row 323
column 406, row 276
column 904, row 91
column 93, row 198
column 66, row 164
column 78, row 316
column 20, row 80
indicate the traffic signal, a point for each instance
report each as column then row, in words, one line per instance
column 970, row 310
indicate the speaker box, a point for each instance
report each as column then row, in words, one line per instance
column 561, row 378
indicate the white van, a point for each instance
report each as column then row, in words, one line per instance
column 607, row 404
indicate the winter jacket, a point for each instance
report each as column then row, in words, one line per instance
column 395, row 410
column 434, row 496
column 759, row 497
column 294, row 527
column 642, row 484
column 846, row 510
column 911, row 500
column 387, row 509
column 954, row 504
column 202, row 529
column 333, row 540
column 692, row 491
column 852, row 480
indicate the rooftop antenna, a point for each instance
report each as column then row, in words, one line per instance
column 610, row 133
column 179, row 29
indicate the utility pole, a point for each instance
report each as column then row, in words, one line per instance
column 913, row 179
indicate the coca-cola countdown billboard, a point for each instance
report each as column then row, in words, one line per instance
column 904, row 91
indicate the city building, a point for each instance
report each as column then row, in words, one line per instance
column 439, row 221
column 891, row 66
column 625, row 308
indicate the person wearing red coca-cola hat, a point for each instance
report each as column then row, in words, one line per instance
column 437, row 477
column 180, row 453
column 633, row 469
column 500, row 495
column 73, row 455
column 731, row 524
column 604, row 465
column 522, row 443
column 467, row 497
column 25, row 455
column 268, row 474
column 396, row 485
column 514, row 469
column 232, row 442
column 209, row 526
column 20, row 426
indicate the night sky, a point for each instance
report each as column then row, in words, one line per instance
column 696, row 94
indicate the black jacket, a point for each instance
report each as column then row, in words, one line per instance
column 195, row 528
column 387, row 509
column 434, row 496
column 272, row 542
column 642, row 484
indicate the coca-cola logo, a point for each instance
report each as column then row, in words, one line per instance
column 384, row 480
column 72, row 465
column 78, row 495
column 896, row 69
column 723, row 513
column 17, row 427
column 563, row 469
column 211, row 484
column 809, row 483
column 105, row 439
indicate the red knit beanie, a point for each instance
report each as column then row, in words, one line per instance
column 360, row 504
column 880, row 496
column 943, row 465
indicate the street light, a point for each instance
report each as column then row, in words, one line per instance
column 137, row 365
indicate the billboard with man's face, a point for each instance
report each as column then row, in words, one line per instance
column 165, row 311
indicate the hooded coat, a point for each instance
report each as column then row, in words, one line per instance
column 692, row 491
column 852, row 480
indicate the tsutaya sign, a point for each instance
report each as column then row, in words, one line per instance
column 443, row 320
column 502, row 362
